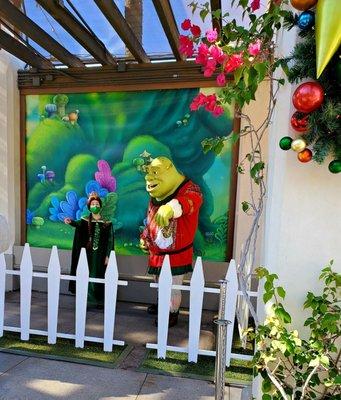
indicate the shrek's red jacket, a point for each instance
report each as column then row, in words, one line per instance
column 177, row 238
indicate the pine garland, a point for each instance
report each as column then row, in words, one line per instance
column 324, row 124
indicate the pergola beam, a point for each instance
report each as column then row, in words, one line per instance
column 118, row 22
column 13, row 46
column 23, row 24
column 167, row 19
column 71, row 24
column 216, row 22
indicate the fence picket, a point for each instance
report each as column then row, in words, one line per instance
column 195, row 310
column 53, row 284
column 230, row 306
column 164, row 297
column 2, row 291
column 26, row 271
column 82, row 281
column 110, row 297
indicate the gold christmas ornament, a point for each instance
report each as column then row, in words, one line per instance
column 298, row 145
column 328, row 32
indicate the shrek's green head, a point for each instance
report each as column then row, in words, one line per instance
column 162, row 178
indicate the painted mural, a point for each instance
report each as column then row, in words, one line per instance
column 80, row 143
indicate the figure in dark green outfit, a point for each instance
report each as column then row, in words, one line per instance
column 95, row 234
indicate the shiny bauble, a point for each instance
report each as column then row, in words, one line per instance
column 335, row 166
column 306, row 20
column 308, row 97
column 285, row 143
column 303, row 5
column 298, row 145
column 299, row 121
column 305, row 156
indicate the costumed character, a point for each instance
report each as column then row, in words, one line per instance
column 172, row 221
column 95, row 234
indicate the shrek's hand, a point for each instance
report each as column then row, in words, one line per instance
column 143, row 246
column 163, row 215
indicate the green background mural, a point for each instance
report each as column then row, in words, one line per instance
column 78, row 143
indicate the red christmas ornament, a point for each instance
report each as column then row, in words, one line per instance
column 308, row 97
column 305, row 156
column 303, row 5
column 299, row 121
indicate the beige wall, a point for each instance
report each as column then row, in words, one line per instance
column 257, row 111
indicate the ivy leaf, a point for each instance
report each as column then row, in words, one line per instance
column 314, row 362
column 218, row 147
column 282, row 314
column 255, row 171
column 245, row 206
column 266, row 387
column 246, row 76
column 261, row 69
column 281, row 292
column 203, row 14
column 234, row 136
column 324, row 360
column 267, row 296
column 238, row 74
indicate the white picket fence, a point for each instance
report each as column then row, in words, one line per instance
column 111, row 282
column 197, row 289
column 54, row 277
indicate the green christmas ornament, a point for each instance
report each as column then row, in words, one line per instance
column 335, row 166
column 285, row 143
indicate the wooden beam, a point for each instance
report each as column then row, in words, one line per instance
column 71, row 24
column 13, row 46
column 118, row 22
column 216, row 22
column 167, row 19
column 23, row 24
column 99, row 79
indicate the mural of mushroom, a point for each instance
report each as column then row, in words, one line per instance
column 61, row 100
column 73, row 116
column 50, row 176
column 50, row 110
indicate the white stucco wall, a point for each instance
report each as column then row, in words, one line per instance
column 303, row 212
column 9, row 153
column 10, row 144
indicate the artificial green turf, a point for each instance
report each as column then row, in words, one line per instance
column 92, row 352
column 177, row 363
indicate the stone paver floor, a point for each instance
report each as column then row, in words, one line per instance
column 26, row 378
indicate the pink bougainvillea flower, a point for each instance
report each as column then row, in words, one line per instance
column 195, row 30
column 217, row 111
column 186, row 24
column 186, row 46
column 203, row 54
column 234, row 62
column 217, row 54
column 212, row 35
column 211, row 102
column 254, row 48
column 210, row 68
column 255, row 5
column 221, row 80
column 198, row 101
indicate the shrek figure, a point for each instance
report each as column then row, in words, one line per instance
column 172, row 221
